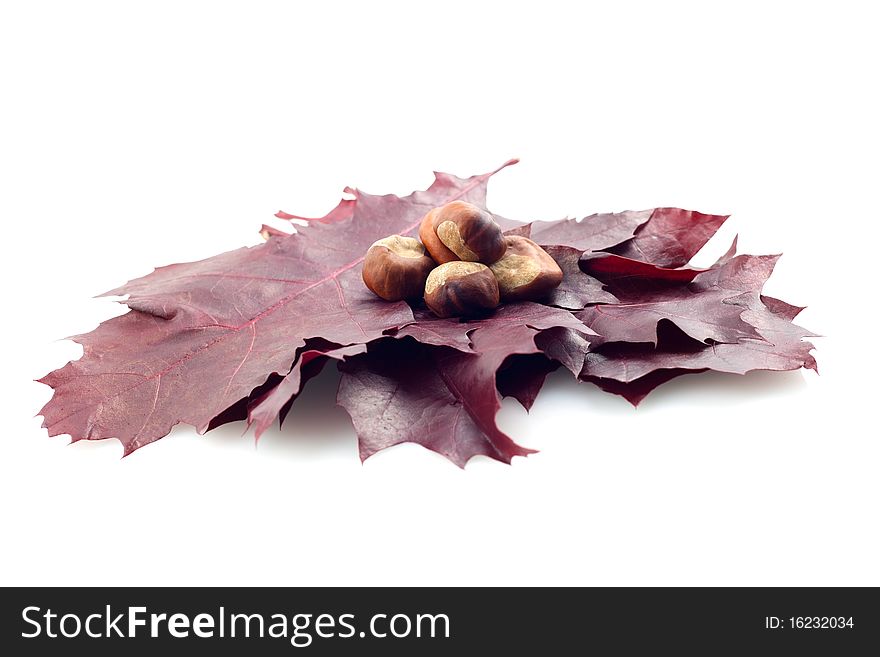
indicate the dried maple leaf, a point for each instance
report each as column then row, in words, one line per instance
column 671, row 237
column 634, row 370
column 203, row 335
column 630, row 368
column 699, row 302
column 441, row 398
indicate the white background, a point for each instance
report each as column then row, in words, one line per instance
column 140, row 134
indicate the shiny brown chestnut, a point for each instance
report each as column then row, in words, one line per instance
column 461, row 231
column 526, row 271
column 461, row 288
column 396, row 268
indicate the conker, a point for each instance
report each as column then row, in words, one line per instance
column 461, row 288
column 461, row 231
column 396, row 268
column 526, row 271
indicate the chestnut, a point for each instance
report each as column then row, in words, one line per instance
column 396, row 268
column 526, row 271
column 461, row 231
column 461, row 288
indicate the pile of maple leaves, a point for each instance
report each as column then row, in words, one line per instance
column 237, row 336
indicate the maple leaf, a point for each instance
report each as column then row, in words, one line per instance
column 204, row 334
column 670, row 237
column 700, row 302
column 634, row 370
column 441, row 398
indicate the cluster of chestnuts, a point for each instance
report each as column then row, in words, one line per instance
column 463, row 265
